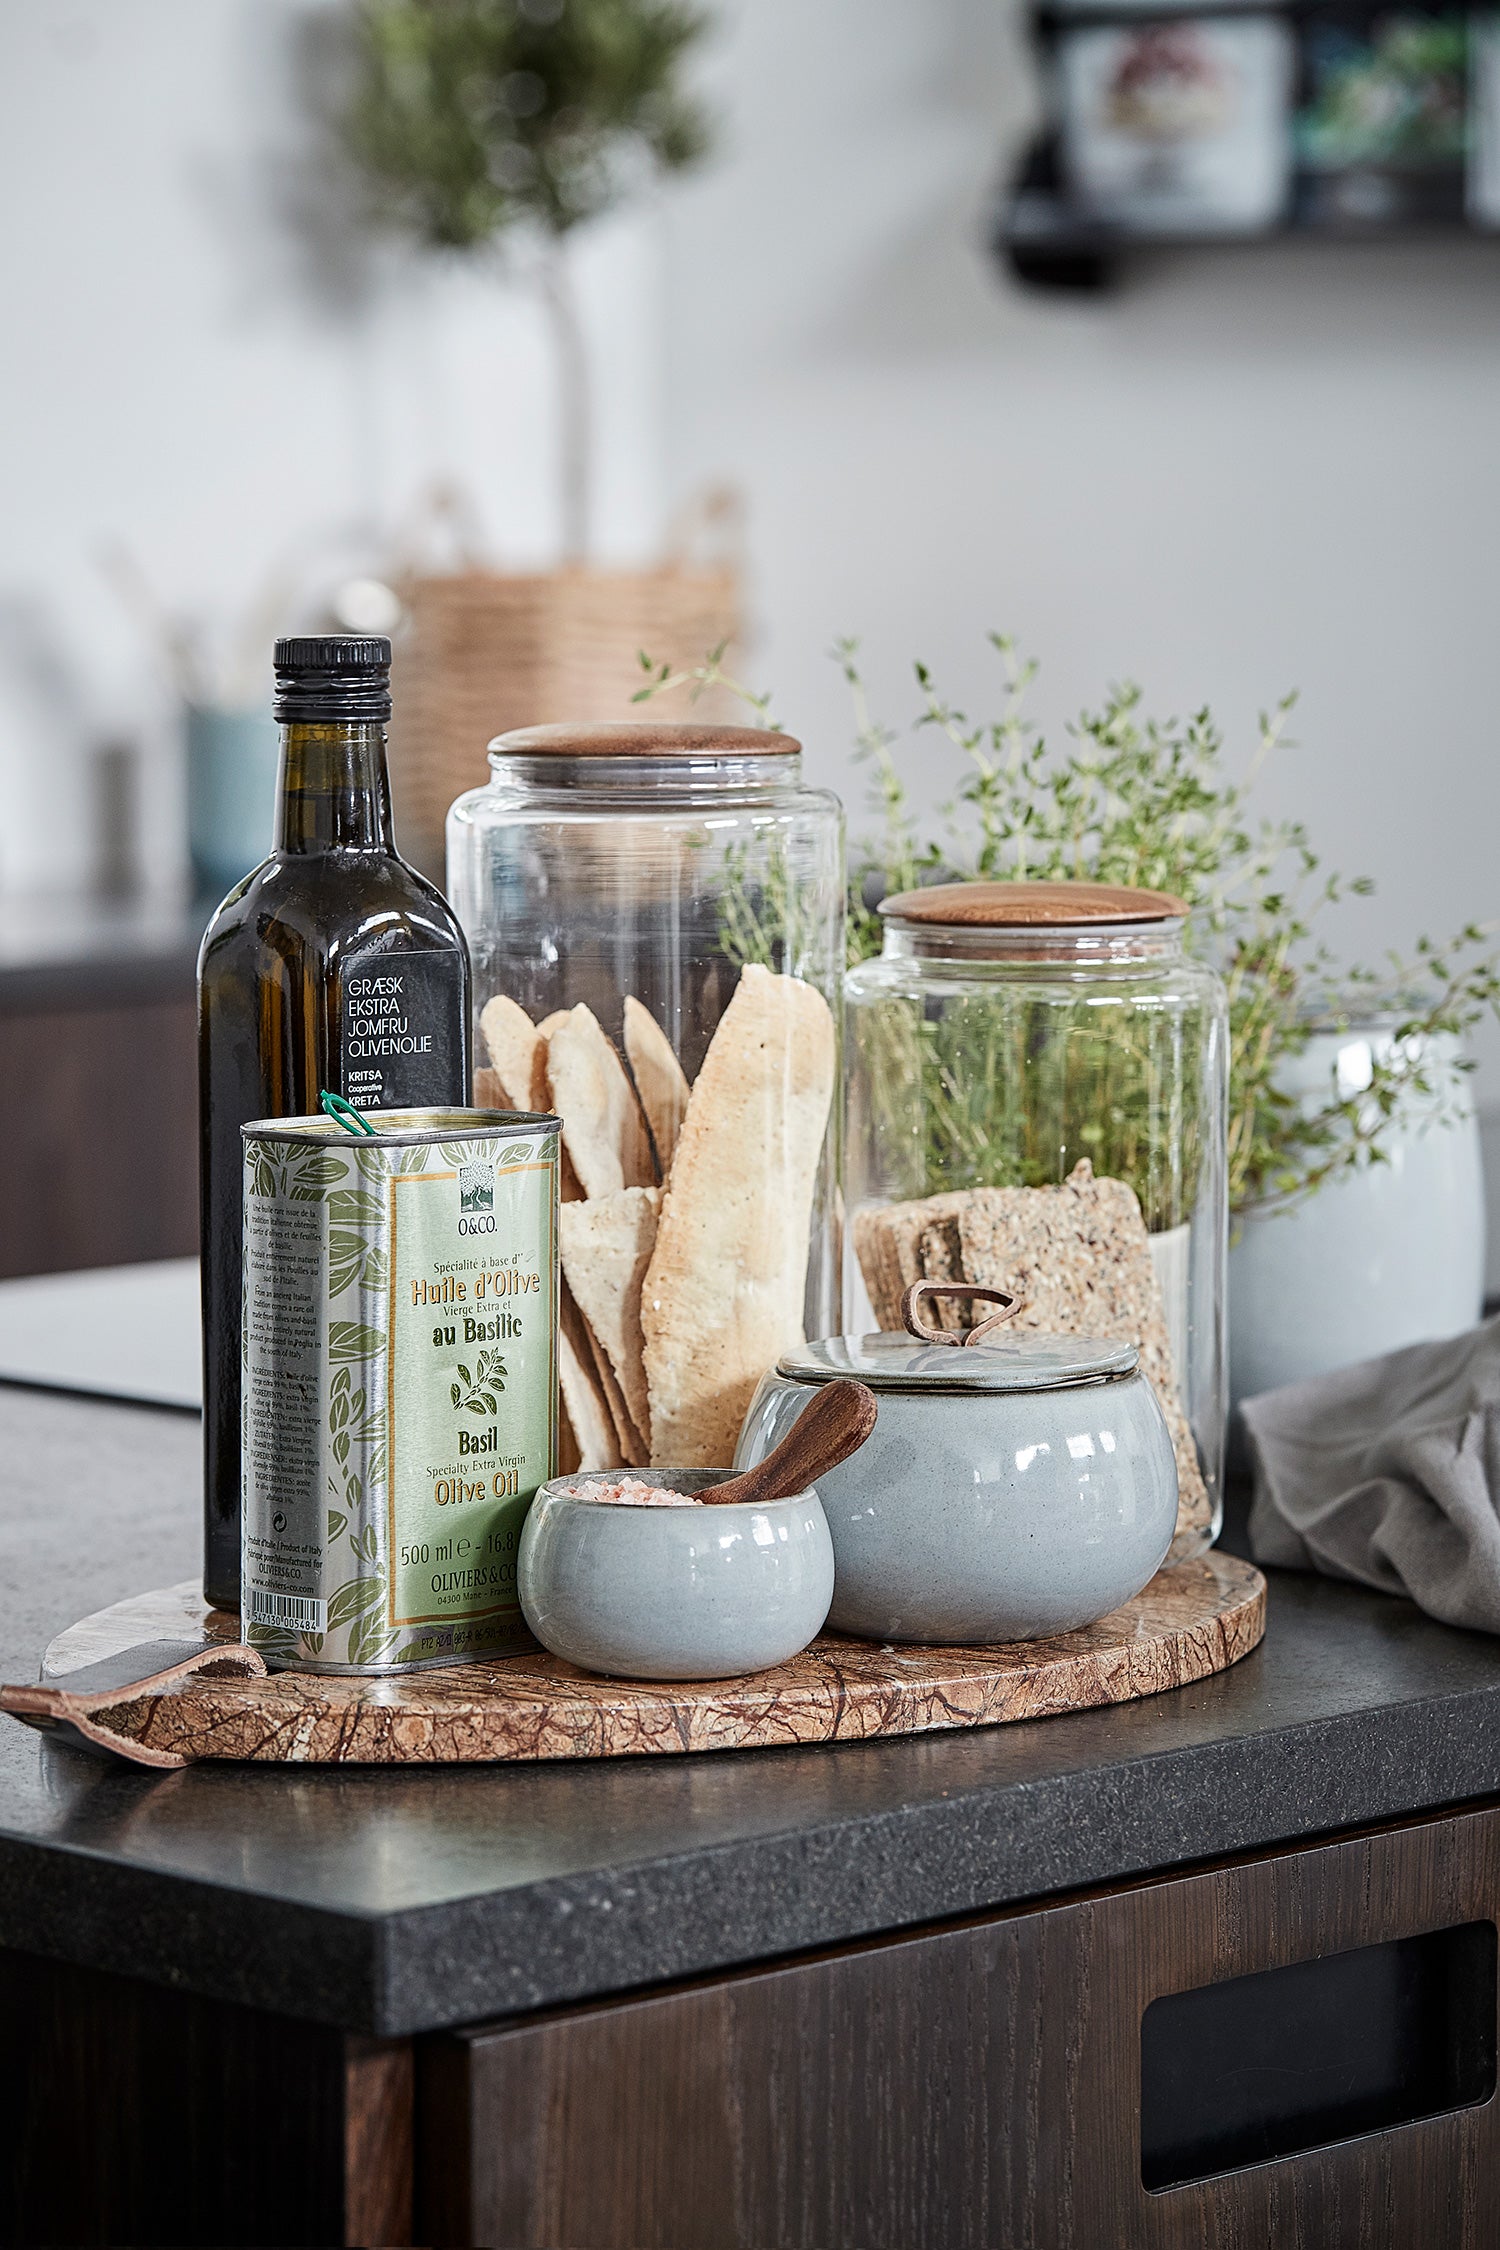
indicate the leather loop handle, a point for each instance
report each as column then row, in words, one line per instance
column 915, row 1325
column 52, row 1706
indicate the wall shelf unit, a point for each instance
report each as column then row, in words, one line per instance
column 1220, row 125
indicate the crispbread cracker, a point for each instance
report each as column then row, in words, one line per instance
column 1079, row 1257
column 488, row 1091
column 604, row 1131
column 658, row 1079
column 725, row 1288
column 632, row 1445
column 606, row 1249
column 598, row 1446
column 541, row 1101
column 513, row 1041
column 567, row 1444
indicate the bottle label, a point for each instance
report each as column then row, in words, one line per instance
column 400, row 1032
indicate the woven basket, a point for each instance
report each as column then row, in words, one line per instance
column 482, row 653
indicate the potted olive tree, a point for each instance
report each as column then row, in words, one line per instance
column 497, row 130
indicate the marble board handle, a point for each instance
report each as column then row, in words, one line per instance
column 58, row 1707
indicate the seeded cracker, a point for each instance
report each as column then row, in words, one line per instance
column 1080, row 1258
column 940, row 1256
column 887, row 1242
column 725, row 1288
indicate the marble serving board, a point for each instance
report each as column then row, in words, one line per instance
column 1193, row 1619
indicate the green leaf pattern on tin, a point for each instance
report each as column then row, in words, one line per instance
column 352, row 1416
column 278, row 1645
column 301, row 1175
column 311, row 1179
column 352, row 1339
column 370, row 1639
column 353, row 1257
column 452, row 1154
column 354, row 1599
column 479, row 1392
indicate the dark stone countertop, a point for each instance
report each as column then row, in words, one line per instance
column 401, row 1902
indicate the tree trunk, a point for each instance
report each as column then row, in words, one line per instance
column 574, row 435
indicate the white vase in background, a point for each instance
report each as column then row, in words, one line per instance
column 1385, row 1256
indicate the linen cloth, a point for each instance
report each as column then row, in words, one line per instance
column 1389, row 1473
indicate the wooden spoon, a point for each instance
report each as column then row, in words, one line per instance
column 835, row 1425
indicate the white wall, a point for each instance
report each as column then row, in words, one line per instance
column 199, row 365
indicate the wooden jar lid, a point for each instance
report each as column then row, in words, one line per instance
column 643, row 738
column 994, row 906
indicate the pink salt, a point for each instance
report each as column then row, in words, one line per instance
column 634, row 1492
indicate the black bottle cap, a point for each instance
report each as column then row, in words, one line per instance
column 333, row 676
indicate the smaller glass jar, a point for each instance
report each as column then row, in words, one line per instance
column 1006, row 1033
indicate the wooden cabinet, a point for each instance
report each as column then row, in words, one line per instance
column 981, row 2085
column 132, row 2114
column 98, row 1117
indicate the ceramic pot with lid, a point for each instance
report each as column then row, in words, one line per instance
column 1015, row 1485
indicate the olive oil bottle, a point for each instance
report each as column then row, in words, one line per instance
column 333, row 965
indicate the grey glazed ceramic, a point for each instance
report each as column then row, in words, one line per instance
column 673, row 1593
column 1010, row 1489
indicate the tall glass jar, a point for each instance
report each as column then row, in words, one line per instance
column 1025, row 1036
column 674, row 866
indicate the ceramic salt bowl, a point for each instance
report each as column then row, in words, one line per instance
column 657, row 1593
column 1022, row 1486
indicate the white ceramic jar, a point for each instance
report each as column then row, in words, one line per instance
column 1387, row 1254
column 1020, row 1486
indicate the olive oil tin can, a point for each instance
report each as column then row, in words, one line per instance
column 399, row 1347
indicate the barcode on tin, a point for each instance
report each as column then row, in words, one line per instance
column 298, row 1612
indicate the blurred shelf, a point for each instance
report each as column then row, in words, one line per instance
column 1272, row 108
column 1050, row 242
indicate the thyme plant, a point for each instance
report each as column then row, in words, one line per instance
column 1151, row 803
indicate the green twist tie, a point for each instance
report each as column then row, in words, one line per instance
column 345, row 1114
